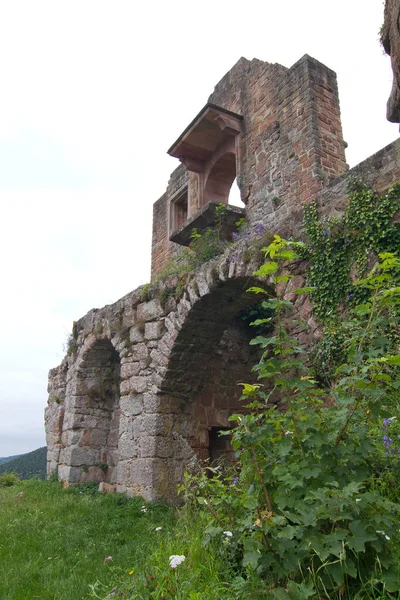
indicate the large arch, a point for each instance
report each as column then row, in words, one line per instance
column 199, row 390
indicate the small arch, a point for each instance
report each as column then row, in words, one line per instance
column 97, row 414
column 220, row 179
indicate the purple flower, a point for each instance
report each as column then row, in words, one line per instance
column 259, row 229
column 107, row 559
column 235, row 481
column 235, row 235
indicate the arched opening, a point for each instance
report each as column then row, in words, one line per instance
column 97, row 414
column 220, row 179
column 234, row 198
column 210, row 357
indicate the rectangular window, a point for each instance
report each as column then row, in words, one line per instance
column 178, row 210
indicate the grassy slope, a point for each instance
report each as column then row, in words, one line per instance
column 32, row 464
column 53, row 543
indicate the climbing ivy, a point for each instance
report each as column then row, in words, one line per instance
column 340, row 249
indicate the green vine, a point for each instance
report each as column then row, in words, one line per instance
column 340, row 249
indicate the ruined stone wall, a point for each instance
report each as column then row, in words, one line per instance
column 292, row 139
column 379, row 172
column 144, row 384
column 149, row 379
column 291, row 143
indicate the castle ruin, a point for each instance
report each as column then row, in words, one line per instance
column 150, row 380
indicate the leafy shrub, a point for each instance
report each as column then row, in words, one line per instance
column 306, row 512
column 9, row 479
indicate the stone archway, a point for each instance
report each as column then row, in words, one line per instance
column 200, row 391
column 91, row 432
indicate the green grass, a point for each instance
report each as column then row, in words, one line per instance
column 53, row 543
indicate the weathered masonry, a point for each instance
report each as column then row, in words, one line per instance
column 147, row 383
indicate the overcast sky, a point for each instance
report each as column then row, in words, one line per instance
column 93, row 92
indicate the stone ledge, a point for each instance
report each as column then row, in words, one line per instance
column 205, row 217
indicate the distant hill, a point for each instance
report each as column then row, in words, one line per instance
column 5, row 459
column 28, row 465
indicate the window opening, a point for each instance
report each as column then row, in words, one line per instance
column 220, row 448
column 179, row 211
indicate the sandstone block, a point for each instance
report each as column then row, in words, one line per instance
column 132, row 405
column 155, row 447
column 136, row 334
column 129, row 317
column 107, row 488
column 154, row 330
column 202, row 284
column 140, row 351
column 125, row 387
column 149, row 311
column 138, row 384
column 123, row 471
column 127, row 447
column 159, row 358
column 130, row 369
column 77, row 456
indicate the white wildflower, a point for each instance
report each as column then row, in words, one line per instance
column 158, row 528
column 228, row 534
column 175, row 560
column 384, row 534
column 358, row 499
